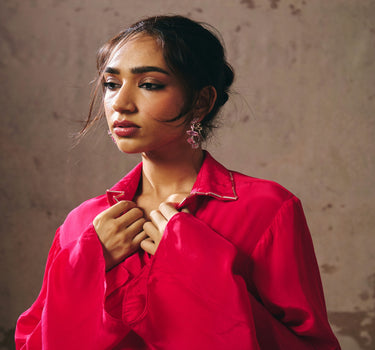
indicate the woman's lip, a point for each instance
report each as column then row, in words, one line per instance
column 124, row 124
column 125, row 131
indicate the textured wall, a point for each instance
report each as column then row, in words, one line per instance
column 302, row 115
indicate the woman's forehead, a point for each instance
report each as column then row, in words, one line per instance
column 138, row 47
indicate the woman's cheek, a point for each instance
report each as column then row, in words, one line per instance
column 160, row 111
column 169, row 107
column 107, row 107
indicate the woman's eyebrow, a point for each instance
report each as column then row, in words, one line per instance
column 137, row 70
column 146, row 69
column 111, row 70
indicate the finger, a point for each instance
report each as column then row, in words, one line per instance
column 148, row 246
column 133, row 229
column 159, row 220
column 118, row 209
column 185, row 210
column 167, row 210
column 152, row 231
column 130, row 216
column 140, row 237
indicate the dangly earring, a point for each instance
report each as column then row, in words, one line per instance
column 195, row 133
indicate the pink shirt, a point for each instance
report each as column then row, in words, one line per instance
column 238, row 273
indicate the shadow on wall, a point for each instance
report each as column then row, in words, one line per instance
column 359, row 325
column 7, row 339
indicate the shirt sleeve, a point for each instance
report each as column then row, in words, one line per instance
column 286, row 276
column 28, row 330
column 69, row 311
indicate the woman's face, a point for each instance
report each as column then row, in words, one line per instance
column 141, row 94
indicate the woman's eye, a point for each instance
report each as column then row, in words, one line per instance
column 110, row 85
column 151, row 86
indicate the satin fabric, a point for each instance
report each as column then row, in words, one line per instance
column 239, row 272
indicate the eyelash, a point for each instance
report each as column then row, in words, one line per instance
column 148, row 86
column 110, row 85
column 151, row 86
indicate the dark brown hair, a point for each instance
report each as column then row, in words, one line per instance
column 192, row 52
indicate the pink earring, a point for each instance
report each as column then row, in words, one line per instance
column 195, row 133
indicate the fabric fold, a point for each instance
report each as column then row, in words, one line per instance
column 193, row 298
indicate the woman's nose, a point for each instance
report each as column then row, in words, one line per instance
column 124, row 101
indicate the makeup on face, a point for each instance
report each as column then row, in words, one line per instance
column 143, row 99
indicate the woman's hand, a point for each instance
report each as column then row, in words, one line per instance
column 159, row 220
column 120, row 230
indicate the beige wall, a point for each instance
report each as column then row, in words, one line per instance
column 303, row 115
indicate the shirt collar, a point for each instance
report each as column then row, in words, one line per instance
column 126, row 188
column 213, row 180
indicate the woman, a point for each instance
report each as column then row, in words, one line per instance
column 181, row 253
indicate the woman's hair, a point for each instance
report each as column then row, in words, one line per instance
column 190, row 50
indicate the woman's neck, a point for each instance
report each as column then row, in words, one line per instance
column 166, row 174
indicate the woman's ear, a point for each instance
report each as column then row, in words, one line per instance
column 205, row 101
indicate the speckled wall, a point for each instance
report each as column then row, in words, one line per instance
column 302, row 114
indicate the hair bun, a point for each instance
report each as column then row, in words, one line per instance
column 227, row 80
column 223, row 98
column 228, row 75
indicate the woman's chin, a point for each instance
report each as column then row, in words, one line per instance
column 129, row 150
column 127, row 147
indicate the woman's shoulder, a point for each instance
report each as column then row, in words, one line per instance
column 263, row 187
column 88, row 209
column 81, row 217
column 261, row 192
